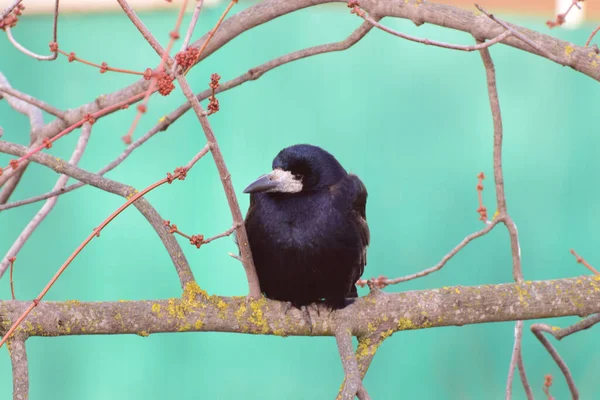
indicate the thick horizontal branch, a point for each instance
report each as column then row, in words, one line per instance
column 378, row 315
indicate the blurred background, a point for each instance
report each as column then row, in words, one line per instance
column 412, row 121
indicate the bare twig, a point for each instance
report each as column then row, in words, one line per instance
column 176, row 254
column 29, row 53
column 49, row 205
column 211, row 34
column 581, row 260
column 382, row 282
column 12, row 284
column 228, row 232
column 430, row 42
column 238, row 220
column 587, row 43
column 104, row 67
column 20, row 368
column 33, row 101
column 141, row 27
column 538, row 330
column 192, row 25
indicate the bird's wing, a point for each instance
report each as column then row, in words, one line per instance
column 359, row 205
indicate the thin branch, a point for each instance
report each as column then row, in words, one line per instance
column 559, row 334
column 104, row 67
column 581, row 260
column 211, row 34
column 539, row 49
column 228, row 232
column 12, row 284
column 192, row 25
column 352, row 380
column 382, row 281
column 141, row 27
column 33, row 101
column 30, row 53
column 516, row 359
column 538, row 330
column 20, row 368
column 60, row 166
column 587, row 43
column 49, row 205
column 238, row 220
column 429, row 42
column 8, row 9
column 160, row 72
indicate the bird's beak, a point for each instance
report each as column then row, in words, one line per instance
column 276, row 181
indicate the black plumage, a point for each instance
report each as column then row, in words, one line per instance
column 307, row 228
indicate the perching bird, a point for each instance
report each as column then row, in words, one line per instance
column 307, row 228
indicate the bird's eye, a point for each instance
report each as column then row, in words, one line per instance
column 298, row 176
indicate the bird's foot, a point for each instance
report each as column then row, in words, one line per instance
column 307, row 318
column 287, row 306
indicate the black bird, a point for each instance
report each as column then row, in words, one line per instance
column 307, row 228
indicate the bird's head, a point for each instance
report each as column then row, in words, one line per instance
column 299, row 168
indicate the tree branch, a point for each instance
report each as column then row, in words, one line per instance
column 20, row 368
column 538, row 330
column 352, row 380
column 196, row 311
column 517, row 358
column 141, row 27
column 238, row 220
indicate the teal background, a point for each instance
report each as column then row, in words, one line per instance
column 412, row 121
